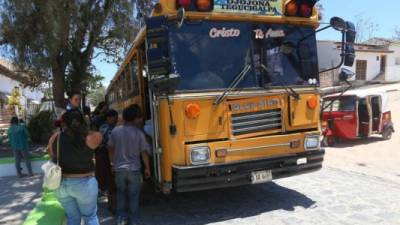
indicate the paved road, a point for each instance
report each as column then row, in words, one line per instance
column 330, row 196
column 17, row 198
column 373, row 156
column 359, row 184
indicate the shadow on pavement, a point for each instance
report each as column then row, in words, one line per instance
column 17, row 197
column 215, row 205
column 357, row 142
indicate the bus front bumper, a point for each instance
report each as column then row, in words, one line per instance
column 196, row 178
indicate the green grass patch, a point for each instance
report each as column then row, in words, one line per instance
column 8, row 160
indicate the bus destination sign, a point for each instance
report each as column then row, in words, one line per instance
column 258, row 7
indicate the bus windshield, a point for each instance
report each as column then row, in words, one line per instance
column 209, row 55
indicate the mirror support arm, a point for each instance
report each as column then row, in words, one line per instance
column 313, row 33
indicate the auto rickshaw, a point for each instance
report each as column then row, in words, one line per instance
column 355, row 114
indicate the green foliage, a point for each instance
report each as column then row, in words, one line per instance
column 57, row 40
column 97, row 95
column 41, row 126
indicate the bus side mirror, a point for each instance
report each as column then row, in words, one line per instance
column 338, row 24
column 345, row 74
column 165, row 84
column 349, row 55
column 350, row 33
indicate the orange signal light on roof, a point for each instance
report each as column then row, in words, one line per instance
column 184, row 3
column 305, row 10
column 312, row 102
column 291, row 8
column 203, row 5
column 192, row 110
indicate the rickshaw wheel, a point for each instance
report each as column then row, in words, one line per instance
column 329, row 141
column 387, row 134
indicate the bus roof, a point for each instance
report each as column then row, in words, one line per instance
column 363, row 93
column 169, row 9
column 135, row 44
column 360, row 93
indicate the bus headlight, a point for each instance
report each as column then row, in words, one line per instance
column 200, row 155
column 311, row 142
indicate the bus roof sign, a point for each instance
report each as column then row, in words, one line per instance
column 257, row 7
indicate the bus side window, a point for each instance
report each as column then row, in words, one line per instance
column 135, row 82
column 119, row 86
column 128, row 80
column 124, row 85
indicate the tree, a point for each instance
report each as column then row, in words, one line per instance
column 321, row 11
column 365, row 28
column 97, row 95
column 57, row 40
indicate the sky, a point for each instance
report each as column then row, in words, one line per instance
column 384, row 13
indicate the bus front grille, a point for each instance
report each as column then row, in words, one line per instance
column 254, row 122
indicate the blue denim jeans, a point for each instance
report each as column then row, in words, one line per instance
column 78, row 196
column 128, row 190
column 19, row 154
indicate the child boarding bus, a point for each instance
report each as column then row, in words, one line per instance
column 230, row 90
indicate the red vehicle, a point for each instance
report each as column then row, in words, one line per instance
column 355, row 114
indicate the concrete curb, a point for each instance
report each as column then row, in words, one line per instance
column 8, row 169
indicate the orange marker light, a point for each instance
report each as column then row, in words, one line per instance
column 203, row 5
column 312, row 102
column 291, row 8
column 192, row 110
column 221, row 153
column 295, row 144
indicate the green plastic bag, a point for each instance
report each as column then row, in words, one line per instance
column 47, row 212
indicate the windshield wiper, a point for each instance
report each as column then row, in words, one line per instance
column 288, row 89
column 233, row 84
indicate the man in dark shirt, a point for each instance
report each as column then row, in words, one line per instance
column 127, row 145
column 104, row 174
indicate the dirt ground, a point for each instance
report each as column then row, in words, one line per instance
column 373, row 156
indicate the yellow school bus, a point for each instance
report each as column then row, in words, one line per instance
column 229, row 89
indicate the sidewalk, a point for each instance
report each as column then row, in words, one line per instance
column 18, row 196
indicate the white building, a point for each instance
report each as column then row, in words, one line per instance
column 9, row 79
column 376, row 59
